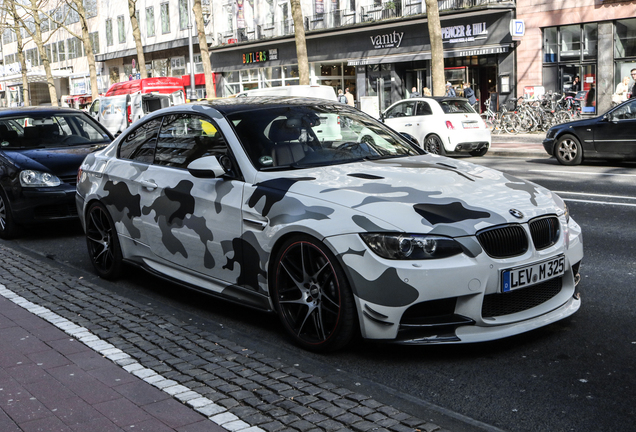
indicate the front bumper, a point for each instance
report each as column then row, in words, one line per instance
column 36, row 205
column 548, row 145
column 457, row 299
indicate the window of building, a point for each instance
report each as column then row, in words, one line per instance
column 150, row 21
column 183, row 14
column 61, row 51
column 74, row 48
column 625, row 38
column 109, row 32
column 8, row 36
column 121, row 30
column 44, row 23
column 550, row 46
column 178, row 66
column 160, row 68
column 198, row 64
column 165, row 18
column 90, row 7
column 94, row 38
column 72, row 16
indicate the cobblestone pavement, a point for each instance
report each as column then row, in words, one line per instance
column 238, row 388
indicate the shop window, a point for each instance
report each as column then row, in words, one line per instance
column 625, row 38
column 570, row 42
column 160, row 68
column 178, row 66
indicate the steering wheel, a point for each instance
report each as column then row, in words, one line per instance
column 349, row 145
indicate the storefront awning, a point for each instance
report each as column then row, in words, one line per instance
column 448, row 53
column 32, row 77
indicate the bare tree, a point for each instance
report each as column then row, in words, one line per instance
column 141, row 58
column 301, row 42
column 88, row 46
column 32, row 10
column 437, row 48
column 203, row 47
column 15, row 26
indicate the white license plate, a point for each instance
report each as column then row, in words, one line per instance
column 522, row 277
column 470, row 125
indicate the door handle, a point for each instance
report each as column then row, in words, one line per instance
column 148, row 184
column 258, row 224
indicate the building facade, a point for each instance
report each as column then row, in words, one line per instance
column 594, row 40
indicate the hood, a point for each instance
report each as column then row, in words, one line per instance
column 426, row 194
column 62, row 161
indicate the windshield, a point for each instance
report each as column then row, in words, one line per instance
column 291, row 137
column 456, row 106
column 53, row 130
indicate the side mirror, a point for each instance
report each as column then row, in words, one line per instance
column 206, row 167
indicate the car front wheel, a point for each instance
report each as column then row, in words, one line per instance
column 312, row 296
column 102, row 242
column 8, row 228
column 568, row 150
column 433, row 144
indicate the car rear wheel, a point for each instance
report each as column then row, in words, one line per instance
column 312, row 296
column 8, row 228
column 433, row 144
column 102, row 242
column 568, row 150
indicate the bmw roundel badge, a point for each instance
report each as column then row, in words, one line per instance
column 516, row 213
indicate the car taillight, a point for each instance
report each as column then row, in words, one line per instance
column 449, row 125
column 79, row 175
column 129, row 114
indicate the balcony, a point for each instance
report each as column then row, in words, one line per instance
column 375, row 10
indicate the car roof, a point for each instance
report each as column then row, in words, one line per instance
column 232, row 105
column 40, row 110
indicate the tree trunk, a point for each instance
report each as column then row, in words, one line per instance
column 37, row 38
column 301, row 42
column 88, row 48
column 437, row 49
column 21, row 59
column 210, row 91
column 141, row 59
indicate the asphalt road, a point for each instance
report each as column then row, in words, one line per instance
column 576, row 375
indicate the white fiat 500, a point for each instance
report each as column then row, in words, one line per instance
column 239, row 198
column 441, row 125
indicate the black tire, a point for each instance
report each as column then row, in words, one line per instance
column 8, row 228
column 433, row 144
column 568, row 150
column 312, row 296
column 102, row 242
column 480, row 152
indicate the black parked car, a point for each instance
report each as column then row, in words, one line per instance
column 41, row 149
column 609, row 136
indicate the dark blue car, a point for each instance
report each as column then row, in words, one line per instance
column 41, row 149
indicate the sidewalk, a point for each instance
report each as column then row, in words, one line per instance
column 520, row 145
column 76, row 357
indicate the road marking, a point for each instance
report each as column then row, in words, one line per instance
column 599, row 202
column 582, row 172
column 592, row 195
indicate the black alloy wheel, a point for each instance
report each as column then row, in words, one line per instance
column 102, row 242
column 433, row 144
column 568, row 150
column 312, row 296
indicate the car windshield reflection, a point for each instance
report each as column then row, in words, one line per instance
column 301, row 137
column 60, row 130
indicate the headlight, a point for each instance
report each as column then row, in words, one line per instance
column 411, row 246
column 31, row 178
column 562, row 206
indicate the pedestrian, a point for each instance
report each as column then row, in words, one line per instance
column 427, row 92
column 576, row 85
column 341, row 97
column 622, row 89
column 349, row 97
column 632, row 90
column 415, row 93
column 450, row 91
column 469, row 94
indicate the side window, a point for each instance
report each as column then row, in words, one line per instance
column 423, row 108
column 139, row 145
column 404, row 109
column 626, row 112
column 187, row 137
